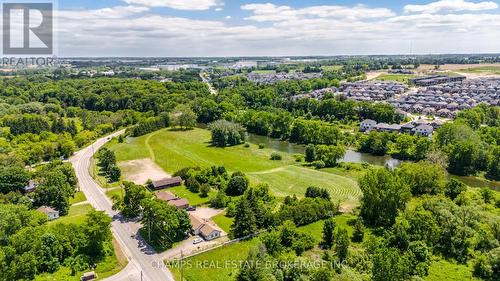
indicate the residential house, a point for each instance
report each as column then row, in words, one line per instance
column 424, row 130
column 367, row 125
column 51, row 213
column 204, row 228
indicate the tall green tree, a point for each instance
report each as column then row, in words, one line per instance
column 384, row 195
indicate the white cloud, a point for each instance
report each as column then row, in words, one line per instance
column 271, row 12
column 450, row 5
column 178, row 4
column 228, row 17
column 137, row 31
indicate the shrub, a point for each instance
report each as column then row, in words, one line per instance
column 319, row 164
column 298, row 158
column 276, row 156
column 262, row 146
column 247, row 145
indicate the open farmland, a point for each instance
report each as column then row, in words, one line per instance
column 174, row 150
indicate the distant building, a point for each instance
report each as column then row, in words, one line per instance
column 88, row 276
column 31, row 187
column 367, row 125
column 167, row 183
column 435, row 80
column 424, row 130
column 108, row 73
column 51, row 213
column 245, row 64
column 205, row 229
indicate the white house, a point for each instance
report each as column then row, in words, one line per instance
column 424, row 130
column 51, row 213
column 205, row 229
column 367, row 125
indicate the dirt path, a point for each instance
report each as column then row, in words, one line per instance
column 148, row 146
column 141, row 170
column 271, row 171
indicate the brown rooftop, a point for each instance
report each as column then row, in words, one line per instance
column 167, row 182
column 166, row 196
column 46, row 209
column 179, row 203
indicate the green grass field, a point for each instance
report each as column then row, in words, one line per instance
column 483, row 70
column 79, row 197
column 223, row 222
column 403, row 78
column 174, row 150
column 263, row 72
column 194, row 198
column 445, row 270
column 75, row 215
column 218, row 265
column 331, row 67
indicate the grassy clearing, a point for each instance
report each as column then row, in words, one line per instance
column 223, row 222
column 217, row 265
column 483, row 70
column 117, row 192
column 194, row 198
column 76, row 215
column 403, row 78
column 478, row 182
column 263, row 72
column 174, row 150
column 316, row 228
column 331, row 67
column 292, row 180
column 79, row 197
column 446, row 270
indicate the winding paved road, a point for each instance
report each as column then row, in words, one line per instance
column 144, row 263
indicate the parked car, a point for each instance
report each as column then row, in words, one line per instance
column 191, row 208
column 197, row 241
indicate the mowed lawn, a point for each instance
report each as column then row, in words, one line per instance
column 174, row 150
column 290, row 180
column 483, row 70
column 221, row 264
column 403, row 78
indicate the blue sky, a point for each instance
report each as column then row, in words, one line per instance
column 275, row 27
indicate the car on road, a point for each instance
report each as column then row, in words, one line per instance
column 197, row 241
column 191, row 208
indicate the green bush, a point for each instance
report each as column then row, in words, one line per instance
column 276, row 156
column 319, row 164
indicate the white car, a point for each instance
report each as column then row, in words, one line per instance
column 197, row 241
